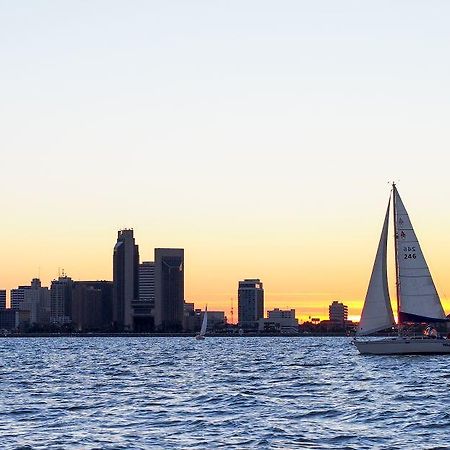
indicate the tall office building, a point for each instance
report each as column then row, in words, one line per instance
column 338, row 313
column 147, row 282
column 144, row 306
column 86, row 307
column 250, row 303
column 34, row 299
column 61, row 300
column 37, row 301
column 18, row 297
column 104, row 319
column 125, row 279
column 2, row 299
column 169, row 289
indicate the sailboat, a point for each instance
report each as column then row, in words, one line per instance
column 202, row 333
column 417, row 297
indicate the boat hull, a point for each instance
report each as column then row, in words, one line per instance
column 403, row 346
column 199, row 337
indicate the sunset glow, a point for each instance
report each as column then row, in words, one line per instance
column 264, row 150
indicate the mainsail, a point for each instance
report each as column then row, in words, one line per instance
column 377, row 312
column 417, row 296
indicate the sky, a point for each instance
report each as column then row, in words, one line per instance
column 260, row 136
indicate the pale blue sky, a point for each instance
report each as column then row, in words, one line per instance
column 217, row 123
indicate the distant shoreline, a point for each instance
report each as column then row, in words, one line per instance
column 150, row 335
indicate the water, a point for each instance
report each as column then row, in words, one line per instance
column 234, row 393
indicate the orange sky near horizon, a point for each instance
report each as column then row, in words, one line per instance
column 213, row 269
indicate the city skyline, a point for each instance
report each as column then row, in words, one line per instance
column 302, row 312
column 260, row 139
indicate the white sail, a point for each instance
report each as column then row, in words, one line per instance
column 204, row 323
column 377, row 312
column 418, row 298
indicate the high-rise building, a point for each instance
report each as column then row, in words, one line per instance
column 147, row 283
column 35, row 299
column 144, row 306
column 61, row 300
column 18, row 297
column 2, row 299
column 338, row 313
column 125, row 279
column 105, row 319
column 250, row 303
column 169, row 289
column 87, row 307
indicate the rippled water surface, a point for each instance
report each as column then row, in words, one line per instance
column 281, row 393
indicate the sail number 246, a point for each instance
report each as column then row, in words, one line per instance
column 409, row 253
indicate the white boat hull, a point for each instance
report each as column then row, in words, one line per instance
column 199, row 337
column 403, row 346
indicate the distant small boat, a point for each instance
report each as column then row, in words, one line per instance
column 417, row 297
column 201, row 335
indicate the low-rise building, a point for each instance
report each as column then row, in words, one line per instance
column 279, row 320
column 216, row 319
column 191, row 320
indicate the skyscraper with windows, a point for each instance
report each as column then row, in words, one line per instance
column 92, row 305
column 125, row 279
column 169, row 289
column 18, row 297
column 61, row 300
column 250, row 303
column 35, row 299
column 147, row 283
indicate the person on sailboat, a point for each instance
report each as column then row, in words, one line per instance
column 430, row 332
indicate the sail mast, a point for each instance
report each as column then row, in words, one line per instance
column 397, row 278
